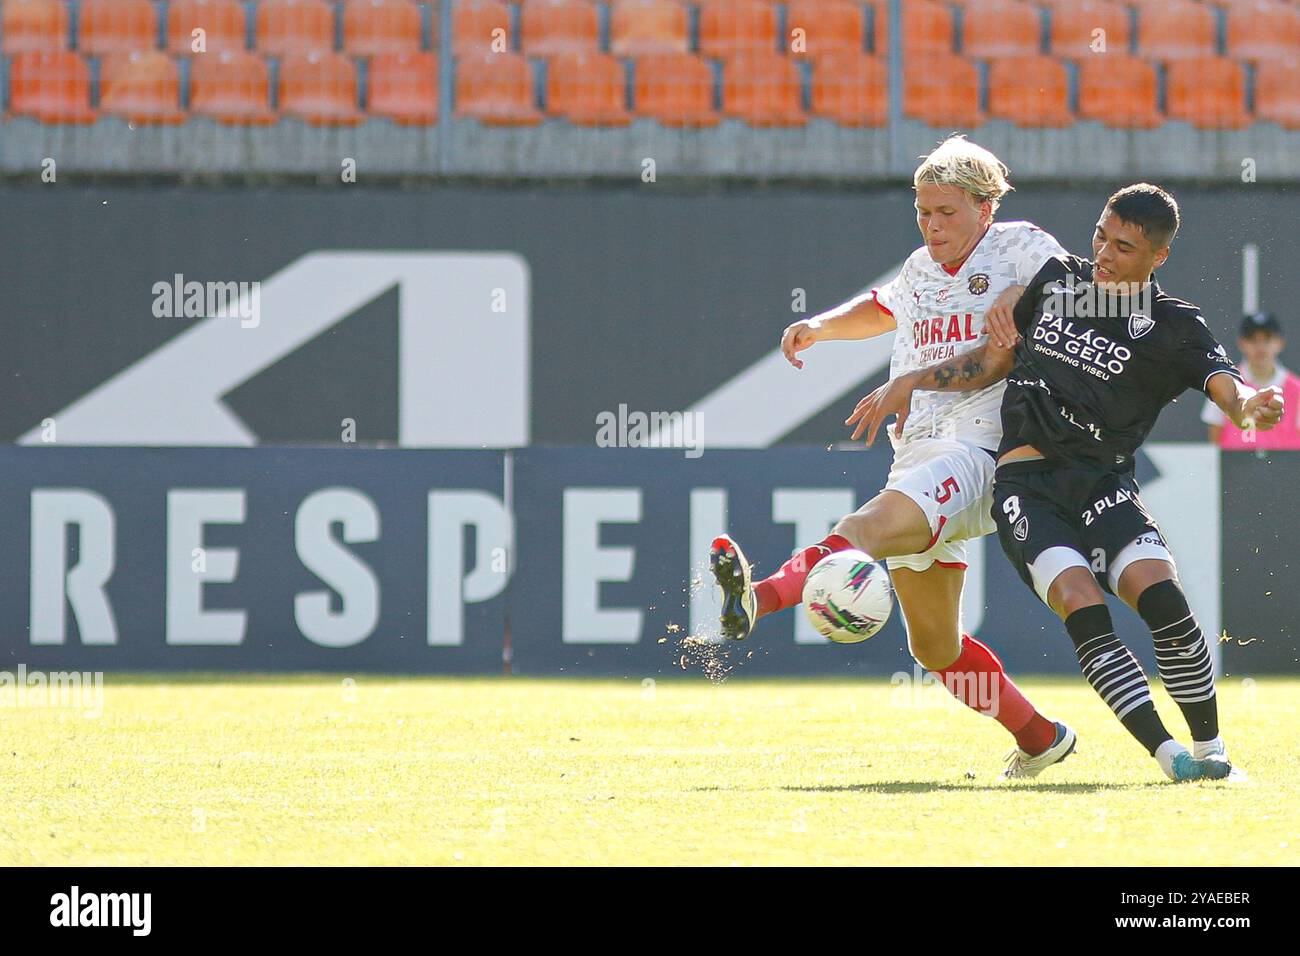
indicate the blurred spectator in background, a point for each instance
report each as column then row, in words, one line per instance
column 1260, row 342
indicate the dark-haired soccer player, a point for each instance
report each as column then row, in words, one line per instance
column 939, row 489
column 1102, row 349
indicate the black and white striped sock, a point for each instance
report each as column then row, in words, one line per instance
column 1116, row 675
column 1182, row 656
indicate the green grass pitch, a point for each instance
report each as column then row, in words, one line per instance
column 389, row 770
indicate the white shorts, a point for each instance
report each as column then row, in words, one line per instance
column 952, row 481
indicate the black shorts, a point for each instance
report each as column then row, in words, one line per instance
column 1039, row 505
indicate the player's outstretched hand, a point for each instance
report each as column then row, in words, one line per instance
column 1000, row 320
column 892, row 398
column 1265, row 408
column 797, row 337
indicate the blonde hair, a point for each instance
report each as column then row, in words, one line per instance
column 973, row 169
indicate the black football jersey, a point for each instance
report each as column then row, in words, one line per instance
column 1094, row 369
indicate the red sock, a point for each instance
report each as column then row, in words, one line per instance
column 784, row 588
column 977, row 679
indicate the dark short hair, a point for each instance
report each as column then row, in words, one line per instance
column 1150, row 208
column 1260, row 322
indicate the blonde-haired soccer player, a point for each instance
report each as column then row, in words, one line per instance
column 939, row 490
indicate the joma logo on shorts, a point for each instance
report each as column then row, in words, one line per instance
column 1101, row 504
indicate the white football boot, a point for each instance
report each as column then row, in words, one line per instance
column 739, row 605
column 1022, row 766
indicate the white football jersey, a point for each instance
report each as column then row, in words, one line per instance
column 940, row 315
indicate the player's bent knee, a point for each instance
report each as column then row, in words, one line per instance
column 890, row 524
column 1075, row 599
column 934, row 649
column 853, row 529
column 1074, row 588
column 1150, row 567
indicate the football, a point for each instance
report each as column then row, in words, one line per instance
column 848, row 597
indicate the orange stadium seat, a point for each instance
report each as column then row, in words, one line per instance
column 1030, row 91
column 942, row 90
column 829, row 27
column 1263, row 29
column 106, row 27
column 1120, row 91
column 286, row 27
column 676, row 89
column 851, row 88
column 232, row 87
column 371, row 27
column 480, row 26
column 1175, row 29
column 1277, row 92
column 496, row 89
column 142, row 87
column 33, row 25
column 52, row 86
column 222, row 22
column 729, row 27
column 319, row 88
column 404, row 87
column 763, row 89
column 1073, row 27
column 1208, row 92
column 999, row 28
column 927, row 28
column 587, row 88
column 639, row 27
column 552, row 27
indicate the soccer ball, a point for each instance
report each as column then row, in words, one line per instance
column 848, row 597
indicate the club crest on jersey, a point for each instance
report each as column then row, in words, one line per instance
column 979, row 284
column 1139, row 325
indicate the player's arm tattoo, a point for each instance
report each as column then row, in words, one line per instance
column 978, row 368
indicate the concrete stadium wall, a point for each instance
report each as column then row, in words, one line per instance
column 649, row 296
